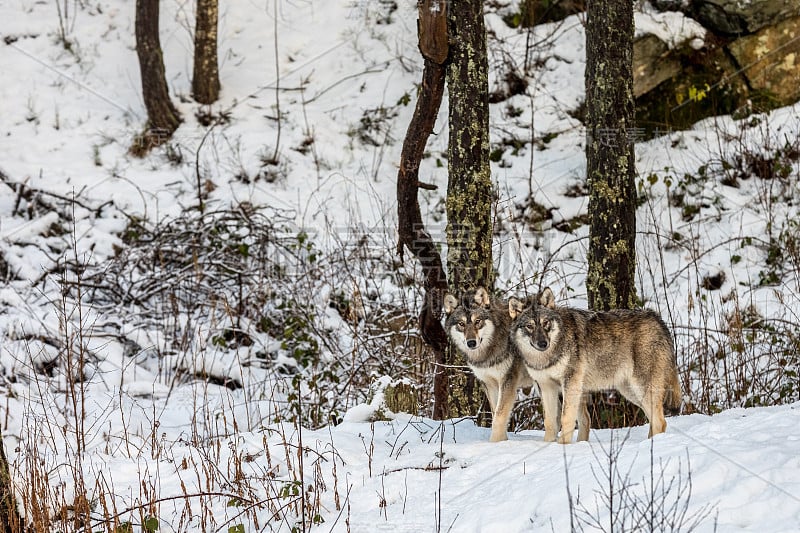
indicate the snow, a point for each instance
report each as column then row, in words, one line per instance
column 671, row 27
column 521, row 484
column 146, row 426
column 735, row 471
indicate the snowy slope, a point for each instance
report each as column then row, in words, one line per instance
column 150, row 440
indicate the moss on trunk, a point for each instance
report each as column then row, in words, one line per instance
column 609, row 154
column 610, row 169
column 469, row 189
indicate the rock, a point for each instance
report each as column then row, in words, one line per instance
column 652, row 64
column 771, row 60
column 670, row 5
column 706, row 84
column 676, row 87
column 533, row 12
column 733, row 17
column 719, row 17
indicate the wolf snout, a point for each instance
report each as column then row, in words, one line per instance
column 540, row 345
column 472, row 344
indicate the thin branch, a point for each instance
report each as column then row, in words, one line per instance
column 411, row 229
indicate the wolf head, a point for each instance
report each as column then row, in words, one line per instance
column 471, row 323
column 536, row 324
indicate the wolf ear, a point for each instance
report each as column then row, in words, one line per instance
column 515, row 307
column 547, row 299
column 450, row 303
column 482, row 297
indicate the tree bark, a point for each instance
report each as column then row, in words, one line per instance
column 205, row 78
column 9, row 514
column 610, row 166
column 469, row 190
column 411, row 228
column 610, row 170
column 469, row 187
column 162, row 117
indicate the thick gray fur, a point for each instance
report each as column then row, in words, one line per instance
column 574, row 351
column 478, row 327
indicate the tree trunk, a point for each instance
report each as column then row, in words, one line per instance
column 469, row 190
column 9, row 515
column 609, row 154
column 162, row 117
column 610, row 170
column 205, row 78
column 469, row 187
column 411, row 228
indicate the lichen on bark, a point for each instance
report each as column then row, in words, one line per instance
column 610, row 167
column 469, row 190
column 610, row 163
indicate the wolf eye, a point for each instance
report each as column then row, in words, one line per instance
column 461, row 326
column 546, row 324
column 478, row 322
column 529, row 327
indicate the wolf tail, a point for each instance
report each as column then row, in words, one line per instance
column 674, row 395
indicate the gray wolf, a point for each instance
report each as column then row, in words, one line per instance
column 479, row 329
column 574, row 351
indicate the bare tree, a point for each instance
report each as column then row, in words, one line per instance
column 610, row 169
column 411, row 229
column 453, row 43
column 205, row 78
column 469, row 186
column 162, row 117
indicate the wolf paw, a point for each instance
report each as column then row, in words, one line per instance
column 565, row 438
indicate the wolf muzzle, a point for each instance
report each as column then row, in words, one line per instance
column 540, row 344
column 472, row 344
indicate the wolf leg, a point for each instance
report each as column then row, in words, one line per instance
column 494, row 396
column 502, row 412
column 583, row 420
column 650, row 398
column 674, row 394
column 573, row 392
column 551, row 408
column 492, row 389
column 653, row 406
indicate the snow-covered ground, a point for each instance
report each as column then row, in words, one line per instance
column 149, row 440
column 737, row 470
column 734, row 471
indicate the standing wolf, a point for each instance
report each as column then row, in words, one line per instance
column 479, row 329
column 575, row 351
